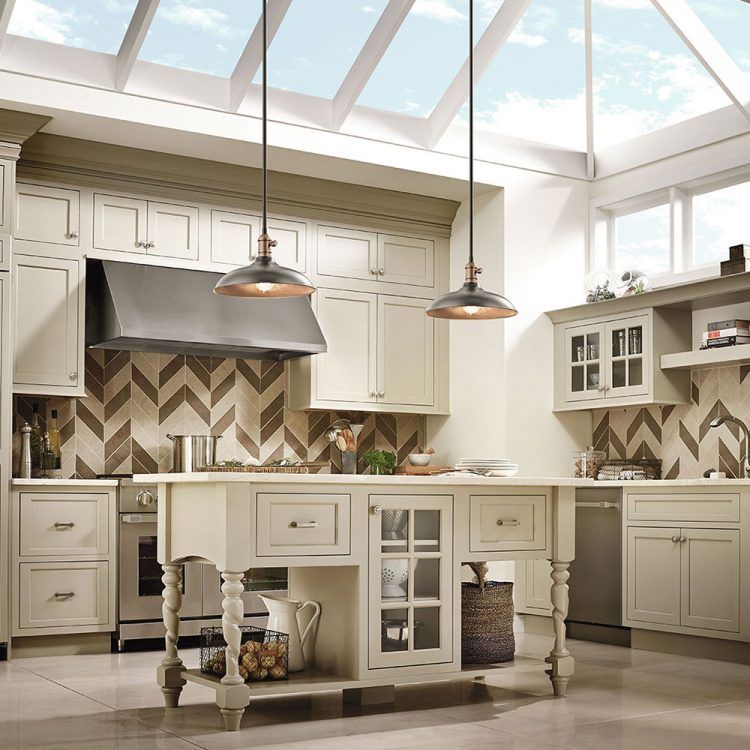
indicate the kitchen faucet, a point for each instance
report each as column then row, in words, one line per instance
column 746, row 460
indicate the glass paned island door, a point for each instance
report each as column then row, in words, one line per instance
column 628, row 344
column 410, row 580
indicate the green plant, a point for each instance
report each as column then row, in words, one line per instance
column 600, row 293
column 381, row 462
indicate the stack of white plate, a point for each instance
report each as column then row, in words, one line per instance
column 494, row 467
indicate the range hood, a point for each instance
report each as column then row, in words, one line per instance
column 144, row 308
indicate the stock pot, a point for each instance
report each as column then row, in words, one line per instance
column 191, row 451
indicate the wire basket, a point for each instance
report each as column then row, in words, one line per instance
column 632, row 469
column 264, row 654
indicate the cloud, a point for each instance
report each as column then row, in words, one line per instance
column 626, row 4
column 209, row 20
column 578, row 36
column 367, row 9
column 520, row 36
column 35, row 19
column 440, row 10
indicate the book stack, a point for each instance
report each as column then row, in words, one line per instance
column 726, row 333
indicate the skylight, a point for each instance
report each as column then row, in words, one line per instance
column 203, row 35
column 729, row 22
column 645, row 78
column 318, row 42
column 98, row 25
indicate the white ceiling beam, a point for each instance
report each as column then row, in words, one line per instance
column 369, row 56
column 499, row 29
column 709, row 52
column 6, row 11
column 133, row 41
column 589, row 66
column 252, row 56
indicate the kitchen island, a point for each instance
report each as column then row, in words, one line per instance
column 342, row 538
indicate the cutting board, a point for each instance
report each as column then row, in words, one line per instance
column 421, row 471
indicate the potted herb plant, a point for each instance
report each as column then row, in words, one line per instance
column 380, row 462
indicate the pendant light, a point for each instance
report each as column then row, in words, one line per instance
column 471, row 302
column 264, row 278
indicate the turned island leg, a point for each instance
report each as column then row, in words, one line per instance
column 169, row 672
column 562, row 663
column 232, row 696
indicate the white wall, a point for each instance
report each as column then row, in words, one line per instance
column 531, row 240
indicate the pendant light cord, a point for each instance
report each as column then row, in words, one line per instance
column 471, row 131
column 264, row 229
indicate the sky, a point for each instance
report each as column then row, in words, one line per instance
column 645, row 78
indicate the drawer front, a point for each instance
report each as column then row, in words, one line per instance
column 55, row 595
column 500, row 523
column 302, row 524
column 718, row 507
column 64, row 524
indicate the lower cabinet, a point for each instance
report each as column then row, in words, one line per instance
column 410, row 580
column 531, row 592
column 685, row 577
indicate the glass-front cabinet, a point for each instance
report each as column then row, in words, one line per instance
column 410, row 586
column 607, row 360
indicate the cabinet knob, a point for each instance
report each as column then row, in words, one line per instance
column 376, row 510
column 683, row 539
column 150, row 244
column 374, row 271
column 676, row 539
column 73, row 374
column 140, row 244
column 373, row 394
column 72, row 235
column 380, row 394
column 381, row 271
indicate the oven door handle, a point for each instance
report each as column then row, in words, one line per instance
column 133, row 518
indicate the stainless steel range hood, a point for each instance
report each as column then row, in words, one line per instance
column 172, row 310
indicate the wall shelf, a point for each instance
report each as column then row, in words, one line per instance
column 706, row 358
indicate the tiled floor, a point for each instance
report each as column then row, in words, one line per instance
column 619, row 700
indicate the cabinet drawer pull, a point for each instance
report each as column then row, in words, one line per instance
column 500, row 522
column 64, row 524
column 303, row 525
column 64, row 594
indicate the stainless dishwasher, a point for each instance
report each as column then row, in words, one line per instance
column 596, row 573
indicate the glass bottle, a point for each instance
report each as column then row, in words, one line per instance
column 54, row 439
column 36, row 437
column 47, row 458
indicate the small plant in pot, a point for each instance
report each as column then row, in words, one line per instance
column 380, row 462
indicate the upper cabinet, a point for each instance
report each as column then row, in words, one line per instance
column 48, row 313
column 616, row 362
column 369, row 256
column 147, row 227
column 384, row 354
column 48, row 214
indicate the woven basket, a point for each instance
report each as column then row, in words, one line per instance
column 487, row 623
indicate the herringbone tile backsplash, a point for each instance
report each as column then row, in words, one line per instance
column 134, row 400
column 680, row 435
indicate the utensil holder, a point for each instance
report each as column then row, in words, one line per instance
column 348, row 462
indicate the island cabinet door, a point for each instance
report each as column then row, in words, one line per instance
column 410, row 580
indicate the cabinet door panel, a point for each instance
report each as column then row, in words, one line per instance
column 406, row 260
column 584, row 363
column 47, row 214
column 347, row 371
column 173, row 230
column 348, row 253
column 628, row 344
column 653, row 575
column 711, row 579
column 119, row 223
column 234, row 237
column 291, row 236
column 538, row 584
column 406, row 353
column 46, row 321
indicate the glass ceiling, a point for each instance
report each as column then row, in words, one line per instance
column 644, row 76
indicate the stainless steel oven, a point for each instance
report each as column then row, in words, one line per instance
column 139, row 576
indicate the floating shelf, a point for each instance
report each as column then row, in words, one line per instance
column 704, row 358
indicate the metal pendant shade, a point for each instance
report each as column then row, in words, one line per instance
column 264, row 278
column 471, row 302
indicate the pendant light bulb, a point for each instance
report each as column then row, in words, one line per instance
column 264, row 278
column 471, row 302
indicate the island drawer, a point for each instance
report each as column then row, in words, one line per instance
column 712, row 507
column 500, row 523
column 55, row 594
column 56, row 523
column 308, row 524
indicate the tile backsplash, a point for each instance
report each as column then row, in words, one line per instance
column 680, row 435
column 134, row 400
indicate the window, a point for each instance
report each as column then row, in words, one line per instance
column 721, row 219
column 642, row 241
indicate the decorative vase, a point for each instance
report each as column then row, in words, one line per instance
column 282, row 617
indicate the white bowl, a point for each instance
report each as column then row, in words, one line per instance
column 420, row 459
column 506, row 473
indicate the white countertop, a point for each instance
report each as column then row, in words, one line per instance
column 671, row 483
column 398, row 479
column 66, row 482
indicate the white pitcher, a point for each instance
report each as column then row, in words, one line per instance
column 282, row 617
